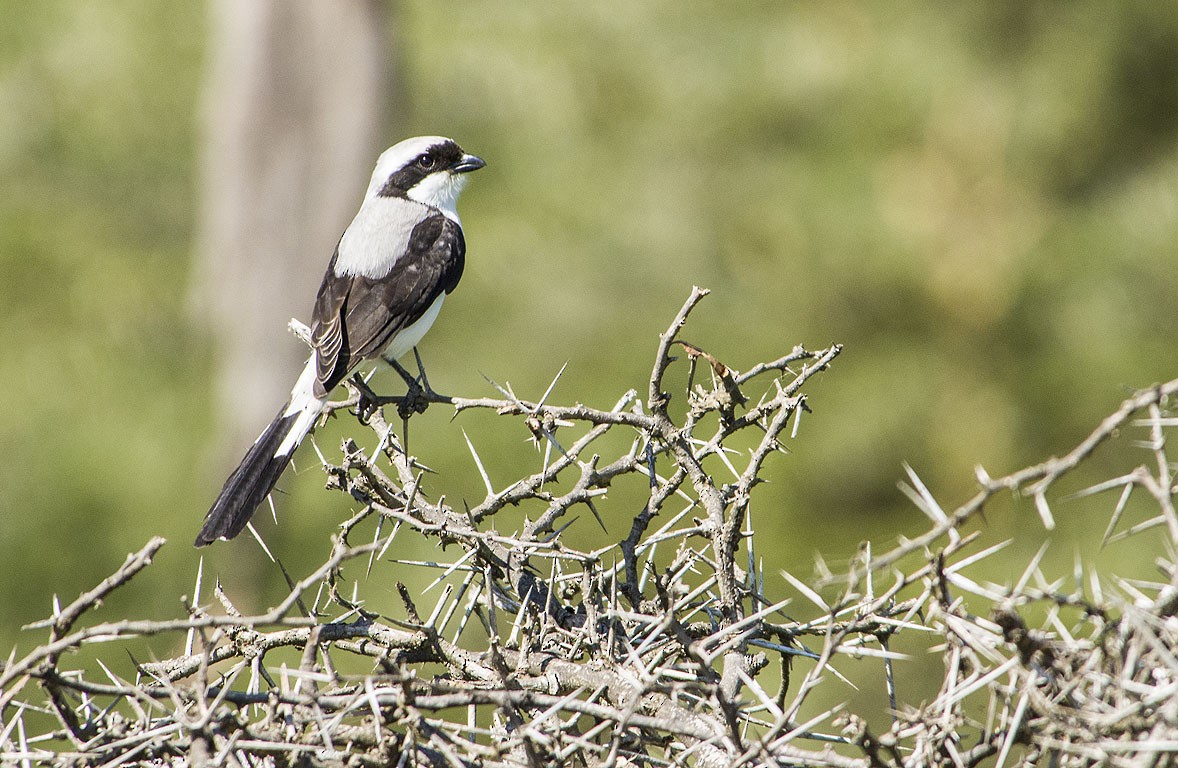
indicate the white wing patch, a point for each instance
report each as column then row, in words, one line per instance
column 378, row 236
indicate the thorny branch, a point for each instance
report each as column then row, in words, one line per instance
column 652, row 650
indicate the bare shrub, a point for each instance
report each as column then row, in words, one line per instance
column 652, row 650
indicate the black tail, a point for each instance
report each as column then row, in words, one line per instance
column 249, row 484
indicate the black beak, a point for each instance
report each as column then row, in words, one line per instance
column 467, row 164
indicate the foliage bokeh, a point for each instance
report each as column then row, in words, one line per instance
column 979, row 201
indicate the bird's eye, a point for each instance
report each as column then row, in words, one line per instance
column 426, row 162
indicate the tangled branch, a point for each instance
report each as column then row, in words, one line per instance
column 655, row 649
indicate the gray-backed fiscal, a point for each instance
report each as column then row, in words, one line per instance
column 396, row 262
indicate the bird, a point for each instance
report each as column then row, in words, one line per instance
column 392, row 268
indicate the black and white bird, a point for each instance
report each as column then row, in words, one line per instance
column 394, row 265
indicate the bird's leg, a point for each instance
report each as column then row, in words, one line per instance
column 430, row 394
column 410, row 379
column 421, row 371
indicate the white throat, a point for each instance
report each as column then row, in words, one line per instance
column 440, row 190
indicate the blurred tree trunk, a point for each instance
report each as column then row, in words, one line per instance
column 295, row 110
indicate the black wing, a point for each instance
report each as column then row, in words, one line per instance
column 356, row 317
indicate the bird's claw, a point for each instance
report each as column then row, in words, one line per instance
column 367, row 402
column 416, row 400
column 419, row 394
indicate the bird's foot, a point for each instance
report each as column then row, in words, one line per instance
column 419, row 393
column 416, row 400
column 368, row 402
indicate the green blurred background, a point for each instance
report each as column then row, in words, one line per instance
column 980, row 200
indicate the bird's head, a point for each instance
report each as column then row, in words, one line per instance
column 428, row 169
